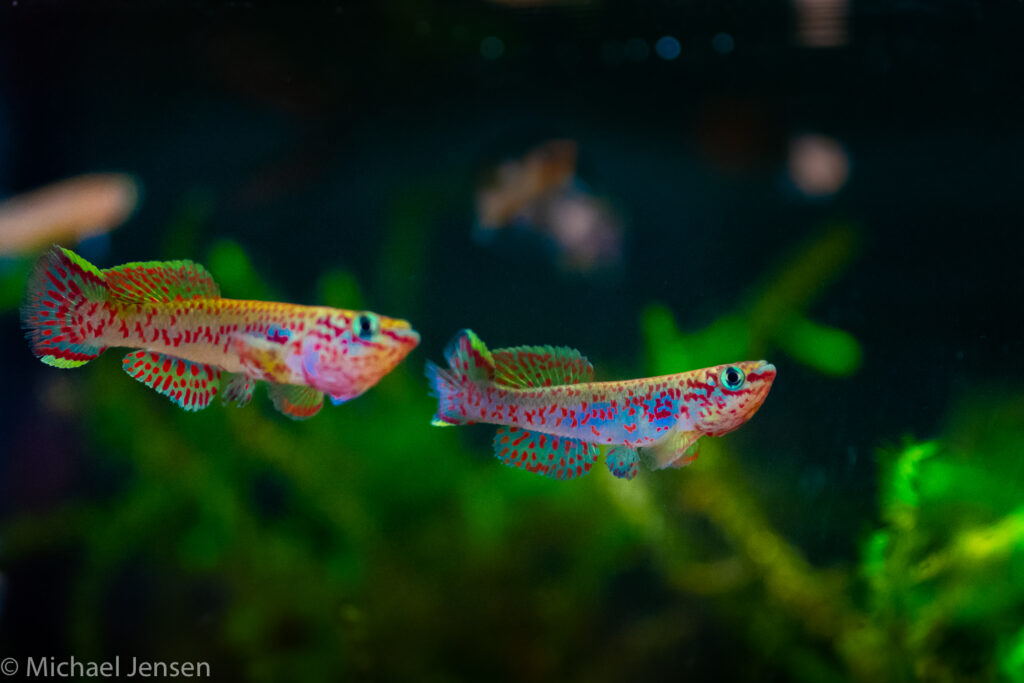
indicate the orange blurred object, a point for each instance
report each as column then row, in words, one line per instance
column 540, row 193
column 518, row 184
column 66, row 211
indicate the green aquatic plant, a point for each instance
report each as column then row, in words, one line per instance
column 949, row 563
column 775, row 317
column 366, row 544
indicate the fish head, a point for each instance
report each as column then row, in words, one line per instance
column 347, row 352
column 734, row 394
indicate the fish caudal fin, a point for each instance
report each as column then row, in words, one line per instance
column 469, row 363
column 61, row 290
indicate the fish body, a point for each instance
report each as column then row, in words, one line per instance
column 543, row 396
column 193, row 344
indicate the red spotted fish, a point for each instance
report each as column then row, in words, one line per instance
column 554, row 416
column 192, row 344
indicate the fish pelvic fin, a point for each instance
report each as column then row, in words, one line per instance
column 470, row 364
column 622, row 461
column 60, row 291
column 238, row 389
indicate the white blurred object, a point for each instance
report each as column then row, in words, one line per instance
column 540, row 193
column 818, row 165
column 822, row 23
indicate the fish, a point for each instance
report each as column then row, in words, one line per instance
column 72, row 209
column 554, row 419
column 518, row 184
column 541, row 195
column 190, row 344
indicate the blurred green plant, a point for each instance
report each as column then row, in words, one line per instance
column 948, row 568
column 775, row 317
column 366, row 544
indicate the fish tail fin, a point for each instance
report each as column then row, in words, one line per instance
column 60, row 292
column 469, row 364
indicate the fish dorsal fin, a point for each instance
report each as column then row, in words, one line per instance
column 553, row 456
column 144, row 281
column 191, row 385
column 540, row 366
column 296, row 401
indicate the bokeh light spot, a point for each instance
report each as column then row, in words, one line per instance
column 667, row 47
column 491, row 47
column 637, row 50
column 818, row 165
column 723, row 43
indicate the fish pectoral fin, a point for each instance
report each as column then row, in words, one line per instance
column 673, row 450
column 239, row 389
column 296, row 401
column 260, row 358
column 622, row 461
column 553, row 456
column 191, row 385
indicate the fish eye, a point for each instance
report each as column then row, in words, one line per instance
column 366, row 325
column 733, row 378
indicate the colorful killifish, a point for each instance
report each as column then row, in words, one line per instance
column 192, row 344
column 554, row 416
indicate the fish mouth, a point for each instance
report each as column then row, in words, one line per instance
column 402, row 331
column 765, row 368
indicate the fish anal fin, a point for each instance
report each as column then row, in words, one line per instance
column 238, row 389
column 553, row 456
column 191, row 385
column 539, row 366
column 622, row 461
column 296, row 401
column 160, row 281
column 671, row 449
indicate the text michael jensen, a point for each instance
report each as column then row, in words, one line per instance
column 52, row 667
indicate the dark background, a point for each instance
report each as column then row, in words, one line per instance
column 296, row 130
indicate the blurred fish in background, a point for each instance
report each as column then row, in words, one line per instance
column 81, row 210
column 541, row 193
column 70, row 211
